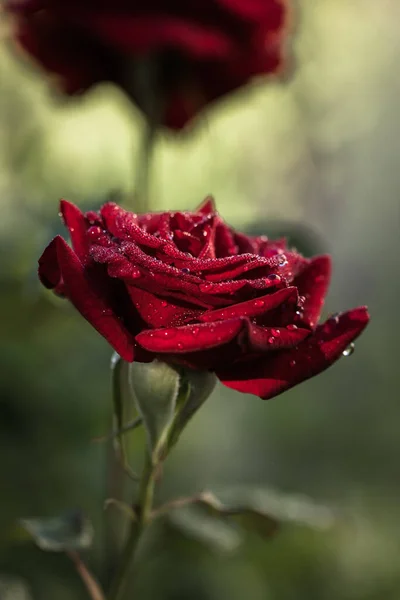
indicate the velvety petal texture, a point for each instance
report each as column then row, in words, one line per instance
column 199, row 50
column 186, row 288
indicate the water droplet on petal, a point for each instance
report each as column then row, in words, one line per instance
column 349, row 350
column 282, row 260
column 195, row 330
column 334, row 318
column 185, row 270
column 271, row 340
column 291, row 327
column 276, row 332
column 180, row 345
column 135, row 274
column 274, row 277
column 259, row 303
column 94, row 232
column 299, row 314
column 168, row 333
column 292, row 363
column 164, row 304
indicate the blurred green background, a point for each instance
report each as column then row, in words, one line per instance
column 318, row 156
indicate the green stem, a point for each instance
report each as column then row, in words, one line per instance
column 143, row 511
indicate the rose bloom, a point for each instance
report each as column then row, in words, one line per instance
column 199, row 50
column 187, row 289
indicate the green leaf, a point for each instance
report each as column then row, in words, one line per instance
column 265, row 510
column 195, row 523
column 200, row 386
column 260, row 511
column 71, row 531
column 155, row 387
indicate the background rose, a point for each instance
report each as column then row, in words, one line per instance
column 189, row 289
column 198, row 50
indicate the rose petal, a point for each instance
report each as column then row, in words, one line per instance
column 190, row 338
column 260, row 339
column 251, row 308
column 59, row 262
column 76, row 223
column 272, row 374
column 207, row 207
column 224, row 242
column 161, row 312
column 312, row 284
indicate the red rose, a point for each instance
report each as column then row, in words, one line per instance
column 200, row 49
column 188, row 289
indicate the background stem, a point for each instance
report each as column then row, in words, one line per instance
column 92, row 586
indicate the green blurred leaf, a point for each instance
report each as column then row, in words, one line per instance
column 155, row 387
column 197, row 524
column 253, row 505
column 71, row 531
column 258, row 511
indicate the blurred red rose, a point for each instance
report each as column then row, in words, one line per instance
column 199, row 49
column 186, row 288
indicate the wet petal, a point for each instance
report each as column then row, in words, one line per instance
column 270, row 375
column 76, row 223
column 161, row 312
column 207, row 206
column 312, row 284
column 59, row 262
column 260, row 339
column 190, row 338
column 251, row 308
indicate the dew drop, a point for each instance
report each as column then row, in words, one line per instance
column 164, row 304
column 291, row 327
column 259, row 303
column 94, row 232
column 292, row 363
column 349, row 350
column 195, row 330
column 274, row 277
column 180, row 345
column 299, row 314
column 107, row 311
column 185, row 270
column 271, row 340
column 168, row 333
column 135, row 274
column 276, row 332
column 334, row 318
column 282, row 260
